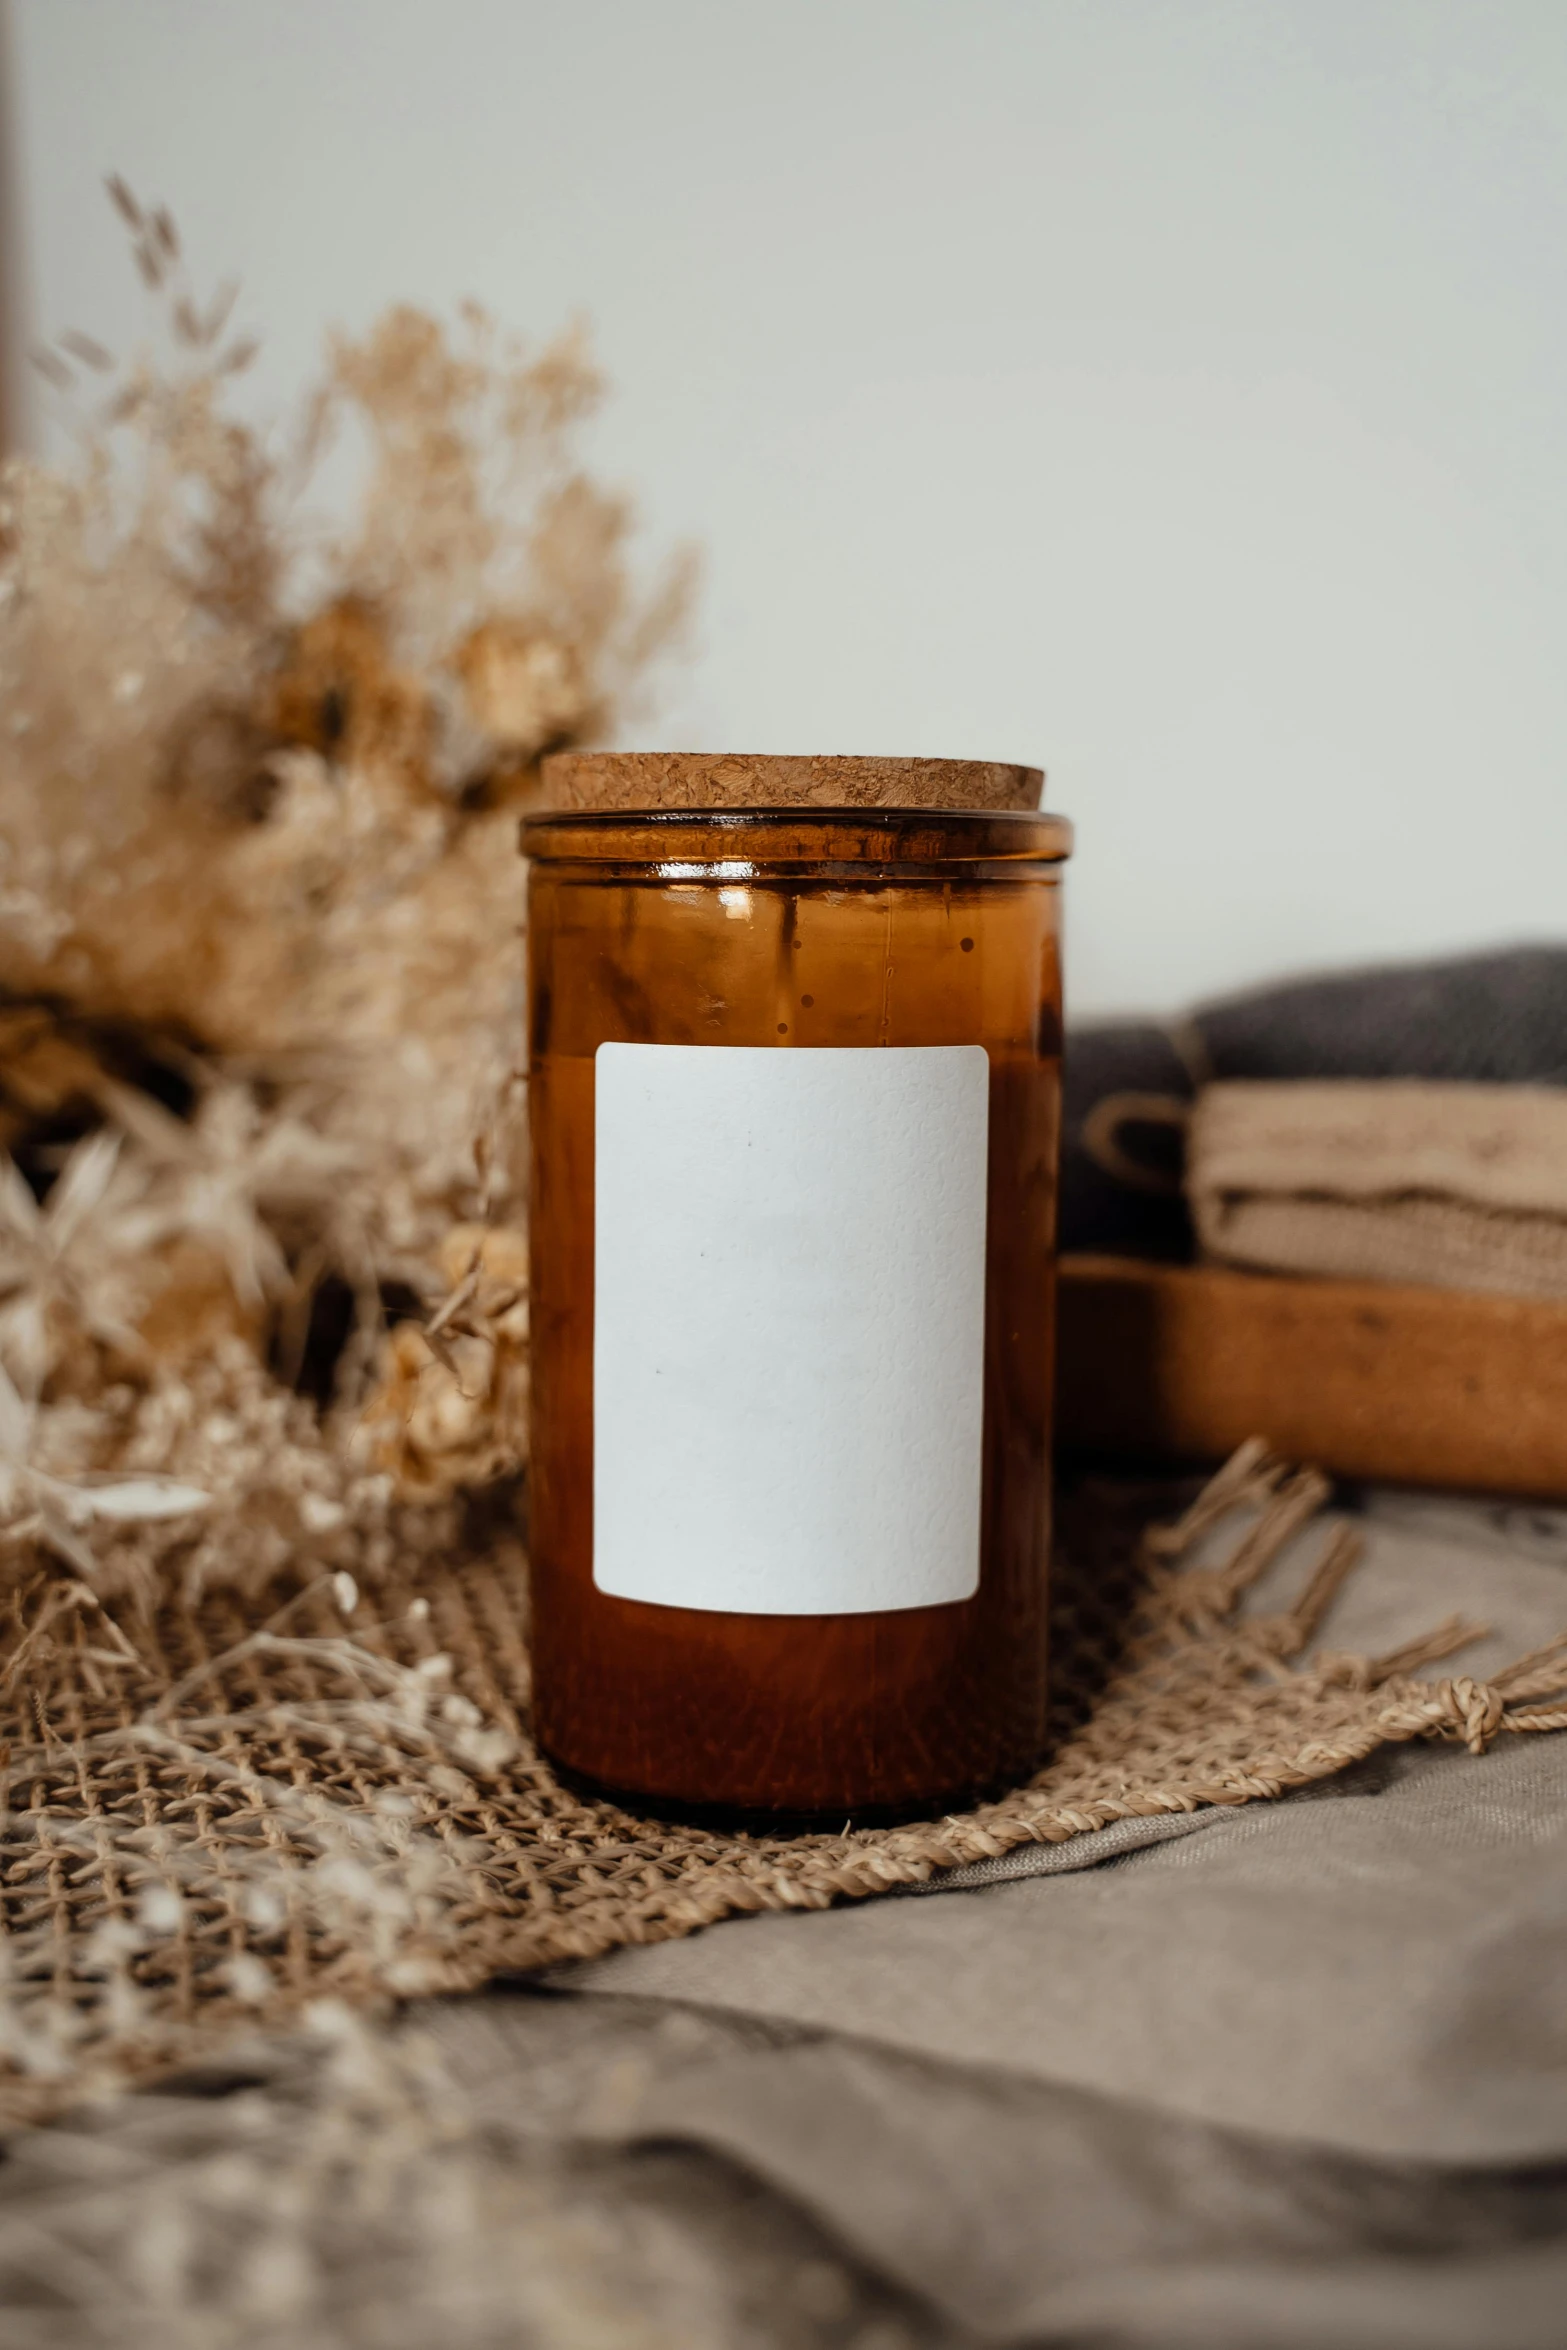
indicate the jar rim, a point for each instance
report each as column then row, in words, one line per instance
column 855, row 836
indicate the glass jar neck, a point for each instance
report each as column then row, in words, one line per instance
column 681, row 843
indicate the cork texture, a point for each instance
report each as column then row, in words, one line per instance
column 611, row 780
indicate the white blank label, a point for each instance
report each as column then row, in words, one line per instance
column 789, row 1325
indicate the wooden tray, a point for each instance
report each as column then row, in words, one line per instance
column 1420, row 1386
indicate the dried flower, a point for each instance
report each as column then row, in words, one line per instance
column 50, row 1260
column 260, row 974
column 54, row 1511
column 450, row 1407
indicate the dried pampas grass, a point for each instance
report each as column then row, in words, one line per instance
column 260, row 971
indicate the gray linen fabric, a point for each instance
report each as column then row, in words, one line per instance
column 1383, row 1972
column 1287, row 2078
column 1024, row 2213
column 525, row 2172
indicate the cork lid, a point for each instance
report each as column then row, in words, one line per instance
column 611, row 780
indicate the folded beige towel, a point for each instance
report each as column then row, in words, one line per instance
column 1464, row 1186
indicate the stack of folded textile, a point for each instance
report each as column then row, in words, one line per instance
column 1484, row 1020
column 1463, row 1186
column 1391, row 1148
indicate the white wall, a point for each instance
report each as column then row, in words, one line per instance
column 1170, row 394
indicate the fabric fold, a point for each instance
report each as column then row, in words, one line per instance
column 1460, row 1186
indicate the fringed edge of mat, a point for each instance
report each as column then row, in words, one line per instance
column 1380, row 1701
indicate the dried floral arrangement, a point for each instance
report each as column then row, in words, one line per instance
column 262, row 1272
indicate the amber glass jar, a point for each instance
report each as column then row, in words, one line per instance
column 794, row 1098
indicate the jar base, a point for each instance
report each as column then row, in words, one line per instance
column 753, row 1820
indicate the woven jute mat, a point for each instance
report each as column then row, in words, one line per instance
column 220, row 1813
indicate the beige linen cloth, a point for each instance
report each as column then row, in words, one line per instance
column 1463, row 1186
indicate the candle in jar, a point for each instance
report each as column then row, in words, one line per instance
column 794, row 1102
